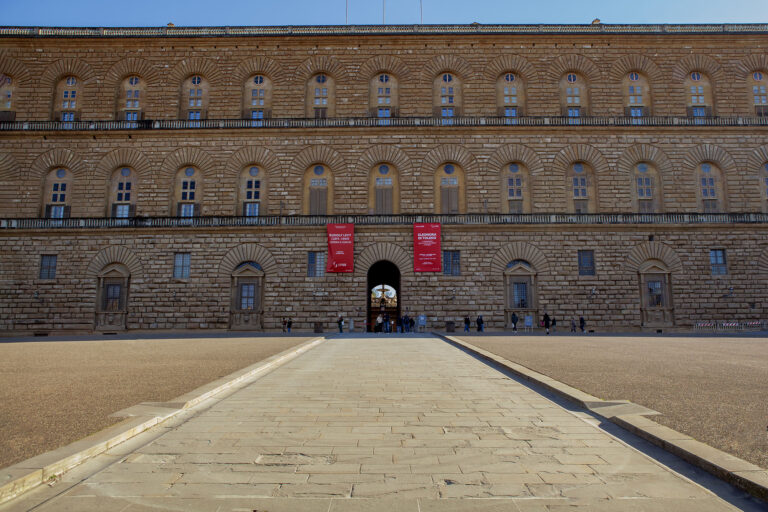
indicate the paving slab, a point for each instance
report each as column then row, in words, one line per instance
column 384, row 424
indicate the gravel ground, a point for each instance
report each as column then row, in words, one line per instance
column 713, row 389
column 53, row 393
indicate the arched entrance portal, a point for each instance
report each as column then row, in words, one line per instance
column 383, row 293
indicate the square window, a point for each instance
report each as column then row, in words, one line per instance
column 252, row 209
column 718, row 262
column 315, row 264
column 586, row 263
column 451, row 263
column 48, row 266
column 181, row 265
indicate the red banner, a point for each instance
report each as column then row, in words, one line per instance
column 427, row 256
column 341, row 248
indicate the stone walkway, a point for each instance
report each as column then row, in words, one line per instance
column 385, row 424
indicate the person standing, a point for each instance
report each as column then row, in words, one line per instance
column 479, row 322
column 514, row 319
column 288, row 324
column 547, row 322
column 285, row 323
column 466, row 323
column 554, row 324
column 573, row 324
column 582, row 323
column 379, row 323
column 340, row 322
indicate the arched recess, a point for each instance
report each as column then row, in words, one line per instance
column 62, row 68
column 258, row 66
column 653, row 251
column 251, row 155
column 581, row 153
column 574, row 62
column 114, row 254
column 518, row 251
column 762, row 262
column 442, row 63
column 510, row 62
column 634, row 62
column 127, row 67
column 203, row 66
column 383, row 63
column 318, row 154
column 9, row 170
column 449, row 153
column 757, row 158
column 382, row 153
column 22, row 81
column 515, row 153
column 698, row 62
column 754, row 62
column 756, row 166
column 187, row 156
column 123, row 157
column 317, row 64
column 722, row 159
column 645, row 153
column 58, row 157
column 383, row 251
column 248, row 252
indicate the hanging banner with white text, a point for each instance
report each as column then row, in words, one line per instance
column 341, row 248
column 426, row 248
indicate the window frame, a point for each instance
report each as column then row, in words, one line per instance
column 182, row 264
column 718, row 262
column 48, row 264
column 316, row 262
column 586, row 262
column 451, row 263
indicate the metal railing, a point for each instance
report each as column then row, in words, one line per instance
column 391, row 220
column 375, row 122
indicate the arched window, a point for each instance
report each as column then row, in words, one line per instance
column 318, row 189
column 112, row 299
column 447, row 100
column 257, row 99
column 384, row 190
column 711, row 190
column 656, row 294
column 130, row 99
column 188, row 193
column 321, row 96
column 758, row 84
column 68, row 99
column 384, row 97
column 764, row 186
column 57, row 194
column 699, row 100
column 449, row 189
column 7, row 98
column 252, row 191
column 195, row 92
column 637, row 95
column 646, row 188
column 246, row 308
column 574, row 95
column 580, row 185
column 510, row 95
column 123, row 193
column 516, row 188
column 520, row 287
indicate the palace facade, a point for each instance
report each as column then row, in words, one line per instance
column 182, row 178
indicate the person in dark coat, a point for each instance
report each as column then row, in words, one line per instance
column 582, row 323
column 340, row 321
column 514, row 319
column 479, row 322
column 466, row 323
column 547, row 322
column 554, row 324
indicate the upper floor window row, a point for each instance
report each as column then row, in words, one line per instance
column 574, row 88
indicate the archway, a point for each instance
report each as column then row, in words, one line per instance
column 383, row 293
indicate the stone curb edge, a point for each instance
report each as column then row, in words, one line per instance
column 24, row 476
column 737, row 472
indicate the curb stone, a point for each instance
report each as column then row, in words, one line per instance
column 631, row 417
column 26, row 475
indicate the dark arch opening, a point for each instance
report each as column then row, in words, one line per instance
column 383, row 280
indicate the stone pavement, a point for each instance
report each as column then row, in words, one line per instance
column 390, row 424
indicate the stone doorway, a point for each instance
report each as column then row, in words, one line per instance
column 383, row 293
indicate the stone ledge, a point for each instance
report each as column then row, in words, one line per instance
column 631, row 417
column 26, row 475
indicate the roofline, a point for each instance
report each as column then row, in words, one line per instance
column 375, row 30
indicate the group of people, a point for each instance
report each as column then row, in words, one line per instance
column 287, row 324
column 403, row 324
column 548, row 322
column 479, row 323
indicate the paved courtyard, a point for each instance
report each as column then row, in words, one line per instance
column 389, row 424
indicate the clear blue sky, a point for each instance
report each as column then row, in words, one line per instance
column 332, row 12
